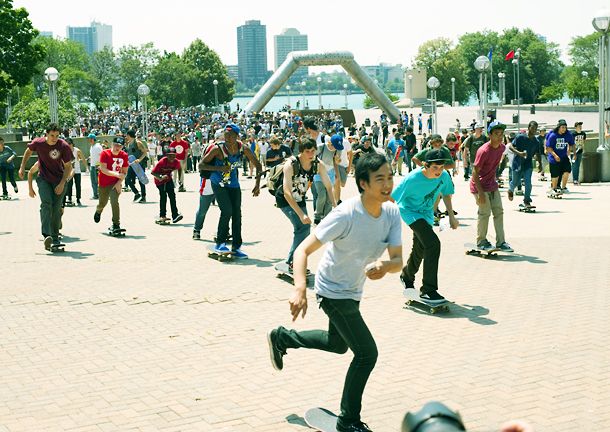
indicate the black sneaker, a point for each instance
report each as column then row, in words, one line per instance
column 16, row 189
column 276, row 354
column 116, row 227
column 142, row 200
column 78, row 202
column 136, row 197
column 354, row 427
column 432, row 296
column 316, row 221
column 96, row 216
column 177, row 219
column 406, row 283
column 196, row 235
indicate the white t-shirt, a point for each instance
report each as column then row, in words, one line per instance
column 263, row 146
column 152, row 149
column 96, row 151
column 347, row 147
column 76, row 162
column 282, row 124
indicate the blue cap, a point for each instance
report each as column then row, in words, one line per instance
column 496, row 125
column 337, row 142
column 230, row 127
column 92, row 136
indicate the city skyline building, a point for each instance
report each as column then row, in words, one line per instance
column 94, row 38
column 252, row 53
column 45, row 33
column 290, row 40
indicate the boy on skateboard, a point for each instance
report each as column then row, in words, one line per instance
column 525, row 146
column 139, row 150
column 415, row 197
column 559, row 145
column 162, row 172
column 55, row 166
column 113, row 170
column 359, row 231
column 484, row 187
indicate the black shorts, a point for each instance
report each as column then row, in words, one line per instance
column 560, row 168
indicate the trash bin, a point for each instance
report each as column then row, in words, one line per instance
column 604, row 170
column 591, row 167
column 367, row 122
column 533, row 109
column 515, row 118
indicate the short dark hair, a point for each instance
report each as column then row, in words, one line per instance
column 1, row 139
column 367, row 164
column 306, row 142
column 52, row 127
column 131, row 133
column 410, row 128
column 450, row 137
column 533, row 122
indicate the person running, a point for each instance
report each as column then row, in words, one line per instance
column 290, row 196
column 55, row 166
column 525, row 146
column 76, row 179
column 223, row 161
column 162, row 172
column 349, row 259
column 183, row 150
column 484, row 187
column 416, row 196
column 580, row 139
column 139, row 150
column 113, row 170
column 559, row 144
column 94, row 162
column 7, row 155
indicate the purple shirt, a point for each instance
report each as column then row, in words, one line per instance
column 488, row 159
column 51, row 158
column 559, row 144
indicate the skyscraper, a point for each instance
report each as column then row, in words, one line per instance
column 252, row 53
column 95, row 37
column 290, row 40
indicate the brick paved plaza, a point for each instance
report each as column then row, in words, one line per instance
column 146, row 333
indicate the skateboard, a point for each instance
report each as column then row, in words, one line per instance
column 554, row 195
column 472, row 249
column 527, row 209
column 519, row 192
column 321, row 419
column 162, row 221
column 412, row 295
column 5, row 197
column 70, row 204
column 138, row 170
column 220, row 256
column 542, row 179
column 116, row 233
column 284, row 270
column 59, row 247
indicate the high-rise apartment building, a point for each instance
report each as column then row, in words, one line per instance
column 290, row 40
column 252, row 53
column 94, row 37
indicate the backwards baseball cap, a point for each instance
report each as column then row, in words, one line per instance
column 434, row 137
column 478, row 126
column 577, row 123
column 171, row 150
column 310, row 123
column 496, row 125
column 118, row 140
column 367, row 138
column 231, row 127
column 337, row 142
column 92, row 136
column 562, row 122
column 435, row 155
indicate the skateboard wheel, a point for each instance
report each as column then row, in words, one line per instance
column 432, row 310
column 409, row 302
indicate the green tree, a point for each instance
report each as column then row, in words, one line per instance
column 552, row 92
column 136, row 64
column 474, row 45
column 170, row 81
column 100, row 85
column 209, row 67
column 20, row 51
column 579, row 87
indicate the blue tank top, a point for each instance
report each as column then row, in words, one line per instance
column 230, row 179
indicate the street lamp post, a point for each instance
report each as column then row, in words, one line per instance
column 501, row 88
column 9, row 108
column 51, row 76
column 303, row 84
column 319, row 93
column 288, row 95
column 601, row 23
column 452, row 92
column 584, row 74
column 433, row 83
column 482, row 64
column 144, row 91
column 345, row 90
column 516, row 62
column 215, row 82
column 411, row 103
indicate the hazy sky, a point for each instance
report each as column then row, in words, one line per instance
column 374, row 31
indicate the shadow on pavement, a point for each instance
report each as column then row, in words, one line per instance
column 69, row 254
column 517, row 257
column 5, row 233
column 473, row 313
column 296, row 419
column 68, row 239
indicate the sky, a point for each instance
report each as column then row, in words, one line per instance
column 389, row 32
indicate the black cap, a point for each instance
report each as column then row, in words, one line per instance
column 118, row 140
column 577, row 123
column 562, row 122
column 435, row 137
column 436, row 155
column 171, row 150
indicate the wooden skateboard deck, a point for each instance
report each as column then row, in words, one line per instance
column 321, row 419
column 555, row 195
column 472, row 249
column 220, row 256
column 412, row 295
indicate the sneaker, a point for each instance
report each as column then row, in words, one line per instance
column 527, row 203
column 406, row 283
column 16, row 189
column 142, row 200
column 316, row 222
column 354, row 427
column 47, row 242
column 222, row 248
column 432, row 296
column 136, row 197
column 78, row 202
column 504, row 247
column 565, row 191
column 576, row 183
column 177, row 219
column 240, row 254
column 484, row 245
column 116, row 227
column 274, row 351
column 96, row 217
column 55, row 242
column 181, row 189
column 196, row 235
column 510, row 195
column 519, row 192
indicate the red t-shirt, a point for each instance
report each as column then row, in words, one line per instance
column 488, row 159
column 113, row 163
column 181, row 148
column 51, row 158
column 165, row 167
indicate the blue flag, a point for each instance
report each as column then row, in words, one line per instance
column 489, row 56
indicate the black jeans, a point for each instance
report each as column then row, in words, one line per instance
column 50, row 208
column 229, row 203
column 11, row 177
column 75, row 181
column 346, row 329
column 130, row 181
column 426, row 247
column 166, row 190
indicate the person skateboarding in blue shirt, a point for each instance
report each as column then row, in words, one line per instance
column 525, row 146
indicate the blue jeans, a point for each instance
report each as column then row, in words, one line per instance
column 93, row 173
column 526, row 175
column 576, row 167
column 301, row 230
column 204, row 205
column 50, row 208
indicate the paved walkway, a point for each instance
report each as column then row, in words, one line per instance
column 146, row 333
